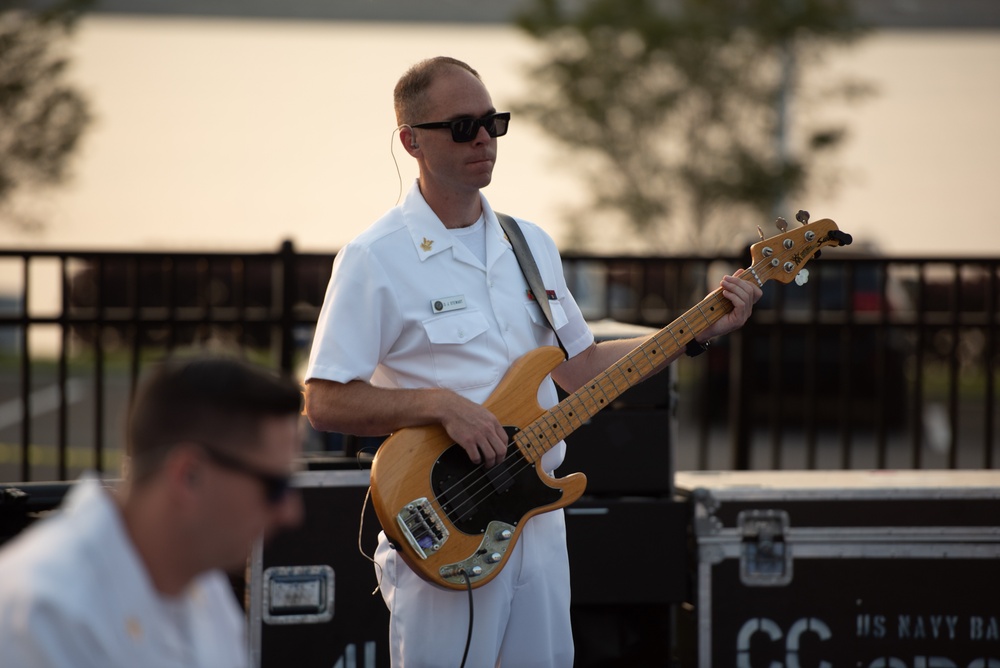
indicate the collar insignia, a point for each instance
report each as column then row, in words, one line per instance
column 133, row 627
column 426, row 244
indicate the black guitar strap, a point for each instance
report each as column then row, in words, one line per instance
column 529, row 269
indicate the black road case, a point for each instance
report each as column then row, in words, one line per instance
column 310, row 602
column 844, row 569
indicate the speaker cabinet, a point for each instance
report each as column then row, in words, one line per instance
column 626, row 449
column 628, row 568
column 627, row 551
column 623, row 452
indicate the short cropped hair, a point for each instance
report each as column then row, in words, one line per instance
column 219, row 401
column 409, row 97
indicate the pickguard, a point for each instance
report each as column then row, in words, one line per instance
column 473, row 496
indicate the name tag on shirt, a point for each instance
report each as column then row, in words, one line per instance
column 443, row 304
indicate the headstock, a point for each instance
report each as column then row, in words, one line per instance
column 782, row 256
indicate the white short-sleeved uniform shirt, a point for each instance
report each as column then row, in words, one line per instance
column 410, row 306
column 75, row 594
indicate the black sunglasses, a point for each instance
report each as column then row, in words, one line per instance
column 466, row 129
column 275, row 486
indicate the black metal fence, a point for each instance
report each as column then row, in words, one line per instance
column 873, row 363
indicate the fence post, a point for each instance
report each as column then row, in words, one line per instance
column 739, row 351
column 25, row 370
column 287, row 327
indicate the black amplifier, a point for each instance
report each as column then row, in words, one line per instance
column 627, row 449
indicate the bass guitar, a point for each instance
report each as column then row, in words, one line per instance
column 454, row 522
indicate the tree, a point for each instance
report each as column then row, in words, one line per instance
column 682, row 104
column 42, row 118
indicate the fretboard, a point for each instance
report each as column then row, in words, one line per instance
column 537, row 438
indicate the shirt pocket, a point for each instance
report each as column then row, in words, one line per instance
column 538, row 317
column 460, row 350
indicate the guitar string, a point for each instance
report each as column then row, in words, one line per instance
column 715, row 299
column 480, row 488
column 718, row 299
column 483, row 479
column 477, row 481
column 485, row 488
column 507, row 463
column 478, row 496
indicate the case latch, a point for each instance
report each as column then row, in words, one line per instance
column 298, row 594
column 765, row 556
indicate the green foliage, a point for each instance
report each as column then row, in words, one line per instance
column 42, row 117
column 682, row 103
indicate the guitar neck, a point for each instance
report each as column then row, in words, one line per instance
column 537, row 438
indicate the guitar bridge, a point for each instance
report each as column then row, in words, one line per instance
column 422, row 527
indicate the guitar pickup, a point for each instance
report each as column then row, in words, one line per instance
column 500, row 478
column 422, row 527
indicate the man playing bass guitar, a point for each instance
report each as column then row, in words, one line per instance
column 425, row 312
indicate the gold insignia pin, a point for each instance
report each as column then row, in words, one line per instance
column 426, row 244
column 133, row 628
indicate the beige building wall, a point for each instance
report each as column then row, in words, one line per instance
column 228, row 134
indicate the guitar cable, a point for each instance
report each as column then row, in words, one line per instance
column 378, row 567
column 468, row 638
column 361, row 528
column 361, row 549
column 468, row 582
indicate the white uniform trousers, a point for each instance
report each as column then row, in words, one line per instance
column 521, row 617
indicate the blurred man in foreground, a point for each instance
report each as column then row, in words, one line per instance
column 130, row 577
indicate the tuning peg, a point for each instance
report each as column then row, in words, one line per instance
column 802, row 216
column 842, row 238
column 760, row 233
column 802, row 277
column 781, row 224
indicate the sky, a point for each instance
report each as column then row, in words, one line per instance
column 225, row 134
